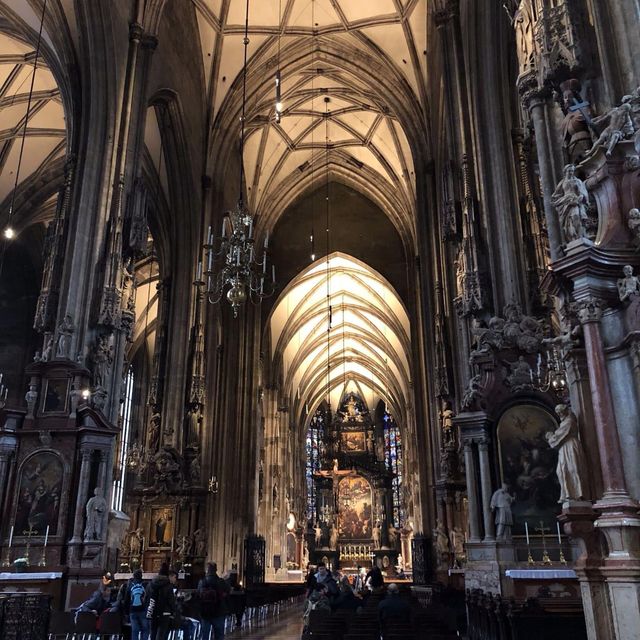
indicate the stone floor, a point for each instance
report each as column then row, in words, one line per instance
column 287, row 627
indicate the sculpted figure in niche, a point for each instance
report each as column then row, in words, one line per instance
column 47, row 351
column 393, row 536
column 618, row 126
column 96, row 510
column 501, row 502
column 571, row 460
column 441, row 541
column 571, row 200
column 135, row 542
column 199, row 543
column 629, row 286
column 575, row 128
column 633, row 222
column 65, row 329
column 102, row 359
column 333, row 537
column 523, row 25
column 377, row 535
column 318, row 531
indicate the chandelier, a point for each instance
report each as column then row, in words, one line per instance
column 232, row 264
column 551, row 375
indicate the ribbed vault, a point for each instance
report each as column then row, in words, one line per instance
column 46, row 134
column 341, row 327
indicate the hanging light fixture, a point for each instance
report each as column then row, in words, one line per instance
column 232, row 264
column 9, row 231
column 278, row 106
column 552, row 375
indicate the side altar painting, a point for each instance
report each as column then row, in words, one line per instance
column 528, row 465
column 39, row 493
column 354, row 508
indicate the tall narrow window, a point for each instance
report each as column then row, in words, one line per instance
column 117, row 497
column 393, row 454
column 315, row 435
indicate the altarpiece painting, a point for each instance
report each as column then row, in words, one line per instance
column 354, row 505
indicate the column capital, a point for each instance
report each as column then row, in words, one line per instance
column 446, row 11
column 483, row 443
column 590, row 309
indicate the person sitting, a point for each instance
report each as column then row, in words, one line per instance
column 323, row 576
column 393, row 606
column 346, row 598
column 317, row 601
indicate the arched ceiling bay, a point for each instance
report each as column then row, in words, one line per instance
column 362, row 344
column 45, row 139
column 325, row 103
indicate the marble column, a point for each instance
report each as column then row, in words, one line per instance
column 470, row 465
column 589, row 313
column 485, row 484
column 5, row 455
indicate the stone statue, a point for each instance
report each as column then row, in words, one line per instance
column 333, row 536
column 183, row 548
column 576, row 134
column 47, row 351
column 193, row 424
column 629, row 286
column 274, row 497
column 99, row 398
column 571, row 200
column 32, row 398
column 194, row 470
column 571, row 460
column 633, row 222
column 135, row 542
column 102, row 358
column 446, row 420
column 472, row 393
column 125, row 545
column 501, row 502
column 523, row 26
column 377, row 535
column 96, row 511
column 65, row 330
column 393, row 536
column 199, row 543
column 318, row 531
column 618, row 126
column 154, row 432
column 441, row 542
column 457, row 544
column 521, row 374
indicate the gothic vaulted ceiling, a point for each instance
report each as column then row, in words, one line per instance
column 363, row 345
column 325, row 103
column 45, row 139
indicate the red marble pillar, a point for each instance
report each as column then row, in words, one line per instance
column 589, row 313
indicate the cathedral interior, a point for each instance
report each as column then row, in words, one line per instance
column 285, row 282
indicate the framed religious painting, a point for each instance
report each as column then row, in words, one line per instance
column 353, row 441
column 528, row 466
column 161, row 527
column 354, row 508
column 39, row 495
column 56, row 392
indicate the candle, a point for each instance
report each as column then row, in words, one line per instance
column 46, row 536
column 199, row 273
column 11, row 537
column 209, row 235
column 266, row 240
column 559, row 536
column 526, row 530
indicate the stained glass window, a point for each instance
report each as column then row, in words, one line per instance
column 315, row 435
column 393, row 455
column 117, row 497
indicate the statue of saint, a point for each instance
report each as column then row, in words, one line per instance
column 629, row 286
column 377, row 535
column 135, row 541
column 441, row 542
column 571, row 200
column 618, row 126
column 65, row 329
column 393, row 536
column 318, row 531
column 571, row 460
column 501, row 502
column 333, row 536
column 633, row 222
column 199, row 543
column 96, row 510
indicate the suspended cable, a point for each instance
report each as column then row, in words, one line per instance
column 328, row 276
column 9, row 232
column 313, row 127
column 245, row 41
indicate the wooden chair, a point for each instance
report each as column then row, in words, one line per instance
column 61, row 625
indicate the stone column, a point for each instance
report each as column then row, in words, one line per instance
column 536, row 103
column 5, row 455
column 83, row 488
column 485, row 483
column 470, row 466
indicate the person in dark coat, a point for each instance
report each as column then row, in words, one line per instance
column 346, row 598
column 132, row 602
column 393, row 606
column 213, row 592
column 161, row 609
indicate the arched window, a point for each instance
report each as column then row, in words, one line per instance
column 393, row 456
column 315, row 435
column 117, row 497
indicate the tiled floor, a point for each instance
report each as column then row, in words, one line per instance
column 287, row 627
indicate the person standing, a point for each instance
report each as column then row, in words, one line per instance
column 213, row 592
column 134, row 604
column 162, row 604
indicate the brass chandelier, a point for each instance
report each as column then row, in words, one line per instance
column 233, row 265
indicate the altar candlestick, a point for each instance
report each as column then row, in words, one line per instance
column 526, row 530
column 11, row 537
column 46, row 536
column 559, row 536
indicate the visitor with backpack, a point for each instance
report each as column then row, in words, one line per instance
column 161, row 607
column 213, row 592
column 134, row 604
